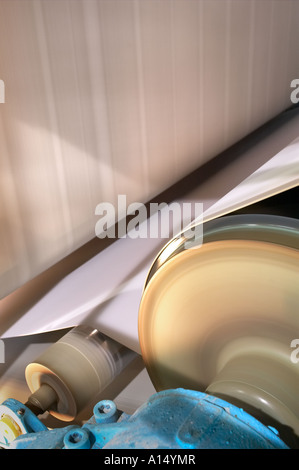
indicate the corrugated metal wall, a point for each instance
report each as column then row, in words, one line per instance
column 108, row 97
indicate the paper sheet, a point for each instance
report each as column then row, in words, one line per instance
column 277, row 175
column 105, row 292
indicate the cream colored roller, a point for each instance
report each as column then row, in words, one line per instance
column 72, row 372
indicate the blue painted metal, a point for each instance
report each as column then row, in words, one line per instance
column 26, row 420
column 171, row 419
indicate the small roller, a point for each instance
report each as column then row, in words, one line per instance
column 68, row 375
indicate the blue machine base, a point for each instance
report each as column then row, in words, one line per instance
column 171, row 419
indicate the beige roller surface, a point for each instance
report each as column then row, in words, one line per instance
column 206, row 301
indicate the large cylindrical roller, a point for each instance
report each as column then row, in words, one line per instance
column 221, row 317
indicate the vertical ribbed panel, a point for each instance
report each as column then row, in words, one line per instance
column 124, row 97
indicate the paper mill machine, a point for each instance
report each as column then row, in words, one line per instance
column 123, row 100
